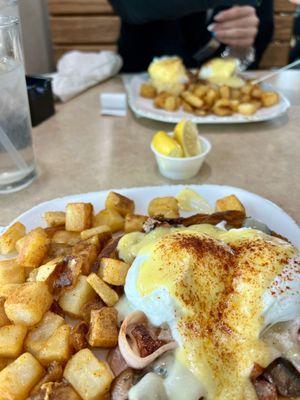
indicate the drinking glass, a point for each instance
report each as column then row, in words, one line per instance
column 17, row 165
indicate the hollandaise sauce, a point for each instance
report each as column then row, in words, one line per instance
column 217, row 279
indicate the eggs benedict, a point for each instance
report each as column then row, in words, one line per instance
column 217, row 291
column 222, row 71
column 168, row 74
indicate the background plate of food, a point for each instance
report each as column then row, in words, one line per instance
column 217, row 94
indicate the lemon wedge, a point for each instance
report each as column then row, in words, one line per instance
column 186, row 134
column 165, row 145
column 189, row 200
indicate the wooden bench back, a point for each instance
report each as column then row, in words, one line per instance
column 90, row 25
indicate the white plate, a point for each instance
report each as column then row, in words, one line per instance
column 144, row 107
column 256, row 206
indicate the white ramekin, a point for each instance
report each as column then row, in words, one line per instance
column 179, row 168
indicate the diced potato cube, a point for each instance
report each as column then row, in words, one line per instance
column 110, row 218
column 123, row 205
column 106, row 293
column 3, row 317
column 28, row 303
column 11, row 340
column 268, row 99
column 90, row 377
column 11, row 272
column 51, row 230
column 79, row 216
column 64, row 237
column 113, row 271
column 55, row 218
column 57, row 347
column 229, row 203
column 134, row 223
column 97, row 230
column 10, row 237
column 33, row 248
column 73, row 300
column 42, row 332
column 87, row 253
column 8, row 289
column 103, row 328
column 19, row 377
column 164, row 206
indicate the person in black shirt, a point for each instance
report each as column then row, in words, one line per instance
column 153, row 28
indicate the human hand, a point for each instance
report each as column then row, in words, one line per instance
column 236, row 27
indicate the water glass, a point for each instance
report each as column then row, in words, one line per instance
column 17, row 165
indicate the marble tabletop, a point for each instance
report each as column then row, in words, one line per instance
column 79, row 151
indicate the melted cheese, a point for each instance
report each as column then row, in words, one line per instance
column 218, row 278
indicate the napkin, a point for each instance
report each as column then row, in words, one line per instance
column 77, row 71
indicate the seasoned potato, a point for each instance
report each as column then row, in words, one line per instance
column 245, row 98
column 78, row 336
column 97, row 230
column 235, row 94
column 234, row 105
column 246, row 108
column 11, row 340
column 159, row 101
column 103, row 328
column 90, row 377
column 42, row 332
column 222, row 107
column 113, row 271
column 79, row 216
column 247, row 88
column 57, row 347
column 171, row 103
column 55, row 218
column 200, row 113
column 191, row 99
column 11, row 272
column 106, row 293
column 73, row 299
column 256, row 102
column 122, row 204
column 256, row 92
column 88, row 307
column 224, row 92
column 87, row 253
column 64, row 237
column 134, row 222
column 164, row 206
column 187, row 107
column 110, row 218
column 200, row 90
column 269, row 99
column 28, row 303
column 229, row 203
column 10, row 237
column 19, row 377
column 147, row 90
column 210, row 97
column 8, row 289
column 33, row 248
column 3, row 317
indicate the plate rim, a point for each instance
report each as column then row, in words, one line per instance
column 142, row 188
column 141, row 113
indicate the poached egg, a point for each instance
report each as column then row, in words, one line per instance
column 216, row 291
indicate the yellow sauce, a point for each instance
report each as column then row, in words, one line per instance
column 218, row 277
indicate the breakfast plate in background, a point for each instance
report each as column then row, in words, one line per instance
column 144, row 107
column 256, row 206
